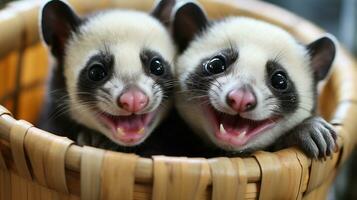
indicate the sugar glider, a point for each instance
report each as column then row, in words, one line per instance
column 246, row 85
column 112, row 75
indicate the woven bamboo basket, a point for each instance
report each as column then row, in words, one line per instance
column 35, row 164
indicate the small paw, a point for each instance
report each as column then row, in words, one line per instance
column 316, row 137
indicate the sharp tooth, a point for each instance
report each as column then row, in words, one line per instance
column 242, row 135
column 141, row 131
column 120, row 131
column 222, row 130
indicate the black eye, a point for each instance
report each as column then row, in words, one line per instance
column 97, row 72
column 156, row 67
column 279, row 80
column 216, row 65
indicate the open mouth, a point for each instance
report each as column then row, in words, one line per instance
column 235, row 130
column 128, row 130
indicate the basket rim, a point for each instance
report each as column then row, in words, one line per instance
column 302, row 29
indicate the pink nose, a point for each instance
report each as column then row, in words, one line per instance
column 133, row 100
column 241, row 100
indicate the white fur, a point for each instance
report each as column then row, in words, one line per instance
column 125, row 33
column 257, row 42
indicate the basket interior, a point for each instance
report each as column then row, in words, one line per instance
column 23, row 76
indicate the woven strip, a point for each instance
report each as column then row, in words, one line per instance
column 180, row 178
column 2, row 162
column 18, row 187
column 118, row 176
column 344, row 138
column 91, row 165
column 4, row 111
column 304, row 163
column 292, row 175
column 54, row 163
column 5, row 185
column 320, row 171
column 3, row 166
column 241, row 170
column 17, row 137
column 281, row 175
column 270, row 168
column 224, row 179
column 36, row 143
column 347, row 120
column 28, row 19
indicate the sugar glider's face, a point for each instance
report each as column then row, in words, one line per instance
column 243, row 82
column 117, row 69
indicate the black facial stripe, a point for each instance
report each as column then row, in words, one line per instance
column 288, row 98
column 87, row 88
column 165, row 81
column 231, row 54
column 199, row 82
column 104, row 90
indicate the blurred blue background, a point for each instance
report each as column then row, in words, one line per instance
column 338, row 17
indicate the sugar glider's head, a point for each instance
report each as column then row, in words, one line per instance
column 116, row 65
column 244, row 82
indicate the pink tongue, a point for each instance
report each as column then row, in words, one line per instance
column 235, row 125
column 130, row 123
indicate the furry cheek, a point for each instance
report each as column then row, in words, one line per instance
column 153, row 91
column 218, row 92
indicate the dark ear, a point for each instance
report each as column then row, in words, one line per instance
column 58, row 21
column 189, row 20
column 322, row 53
column 163, row 10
